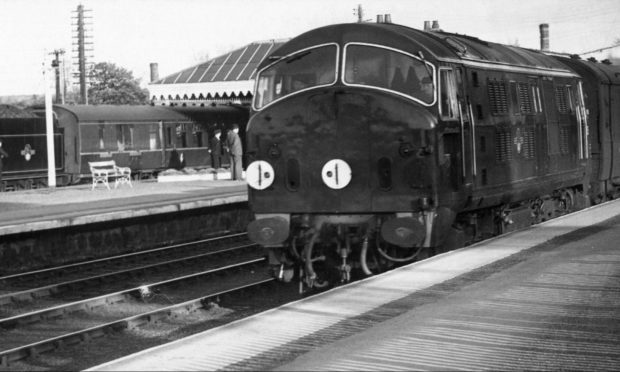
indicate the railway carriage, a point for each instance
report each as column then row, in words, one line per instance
column 24, row 138
column 139, row 137
column 601, row 87
column 379, row 141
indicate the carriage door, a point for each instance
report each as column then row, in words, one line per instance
column 553, row 125
column 457, row 136
column 467, row 123
column 539, row 120
column 614, row 120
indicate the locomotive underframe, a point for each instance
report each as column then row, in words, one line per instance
column 324, row 249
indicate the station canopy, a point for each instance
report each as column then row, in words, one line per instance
column 227, row 78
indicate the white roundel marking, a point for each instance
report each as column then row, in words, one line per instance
column 336, row 174
column 259, row 175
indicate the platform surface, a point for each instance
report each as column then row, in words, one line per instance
column 543, row 298
column 32, row 210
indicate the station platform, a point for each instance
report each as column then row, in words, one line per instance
column 543, row 298
column 40, row 209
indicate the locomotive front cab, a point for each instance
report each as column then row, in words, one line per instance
column 342, row 142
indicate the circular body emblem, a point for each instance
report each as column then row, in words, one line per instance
column 336, row 174
column 259, row 175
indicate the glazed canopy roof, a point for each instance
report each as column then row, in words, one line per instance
column 238, row 65
column 435, row 45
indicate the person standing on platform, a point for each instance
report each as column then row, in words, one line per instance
column 215, row 149
column 175, row 160
column 236, row 152
column 3, row 154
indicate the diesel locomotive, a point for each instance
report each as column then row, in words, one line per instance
column 371, row 144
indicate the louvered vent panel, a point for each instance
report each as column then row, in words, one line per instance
column 498, row 97
column 525, row 100
column 529, row 144
column 503, row 147
column 560, row 99
column 564, row 149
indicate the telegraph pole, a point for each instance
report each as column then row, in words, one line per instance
column 60, row 98
column 83, row 47
column 360, row 13
column 49, row 127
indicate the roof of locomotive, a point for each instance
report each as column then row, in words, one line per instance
column 605, row 73
column 126, row 113
column 435, row 45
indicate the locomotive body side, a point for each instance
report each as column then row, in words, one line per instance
column 381, row 136
column 527, row 131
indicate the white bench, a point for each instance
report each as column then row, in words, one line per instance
column 102, row 170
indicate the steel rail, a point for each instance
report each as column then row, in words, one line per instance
column 118, row 257
column 22, row 352
column 39, row 292
column 107, row 299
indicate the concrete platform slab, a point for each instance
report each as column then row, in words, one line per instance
column 32, row 210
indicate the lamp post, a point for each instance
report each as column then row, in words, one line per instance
column 49, row 125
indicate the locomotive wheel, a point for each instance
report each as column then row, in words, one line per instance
column 385, row 256
column 567, row 201
column 409, row 255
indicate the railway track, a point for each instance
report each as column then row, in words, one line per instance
column 110, row 266
column 89, row 300
column 43, row 312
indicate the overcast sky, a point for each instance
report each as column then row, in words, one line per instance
column 180, row 33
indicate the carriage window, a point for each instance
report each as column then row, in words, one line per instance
column 447, row 94
column 569, row 93
column 101, row 141
column 153, row 138
column 181, row 132
column 124, row 137
column 384, row 68
column 536, row 93
column 308, row 68
column 168, row 136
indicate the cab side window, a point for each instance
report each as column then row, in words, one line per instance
column 448, row 106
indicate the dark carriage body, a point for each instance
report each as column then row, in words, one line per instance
column 601, row 86
column 24, row 138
